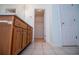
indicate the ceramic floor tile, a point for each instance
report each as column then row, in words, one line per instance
column 43, row 48
column 72, row 51
column 37, row 52
column 27, row 52
column 49, row 52
column 31, row 46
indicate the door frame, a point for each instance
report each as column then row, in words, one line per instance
column 44, row 22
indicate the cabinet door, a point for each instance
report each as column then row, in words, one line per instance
column 5, row 34
column 24, row 43
column 27, row 37
column 17, row 40
column 30, row 33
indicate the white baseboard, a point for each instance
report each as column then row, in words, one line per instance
column 70, row 46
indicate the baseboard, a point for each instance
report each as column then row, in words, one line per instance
column 53, row 44
column 70, row 46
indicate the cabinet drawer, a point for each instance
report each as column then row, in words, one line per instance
column 19, row 23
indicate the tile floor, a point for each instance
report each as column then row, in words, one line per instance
column 43, row 48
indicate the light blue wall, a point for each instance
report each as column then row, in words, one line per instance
column 70, row 27
column 30, row 10
column 55, row 27
column 64, row 34
column 54, row 16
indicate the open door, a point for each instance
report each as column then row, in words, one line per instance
column 39, row 25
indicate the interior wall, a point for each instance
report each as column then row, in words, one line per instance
column 55, row 26
column 47, row 16
column 54, row 16
column 64, row 25
column 20, row 9
column 26, row 12
column 63, row 28
column 70, row 18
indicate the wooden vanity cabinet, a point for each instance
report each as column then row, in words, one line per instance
column 29, row 34
column 24, row 43
column 14, row 34
column 17, row 40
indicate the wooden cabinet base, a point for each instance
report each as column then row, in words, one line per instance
column 14, row 35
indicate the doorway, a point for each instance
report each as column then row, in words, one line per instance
column 39, row 25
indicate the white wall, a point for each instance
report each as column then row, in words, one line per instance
column 70, row 27
column 52, row 22
column 55, row 33
column 48, row 16
column 76, row 16
column 20, row 9
column 55, row 27
column 64, row 34
column 26, row 12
